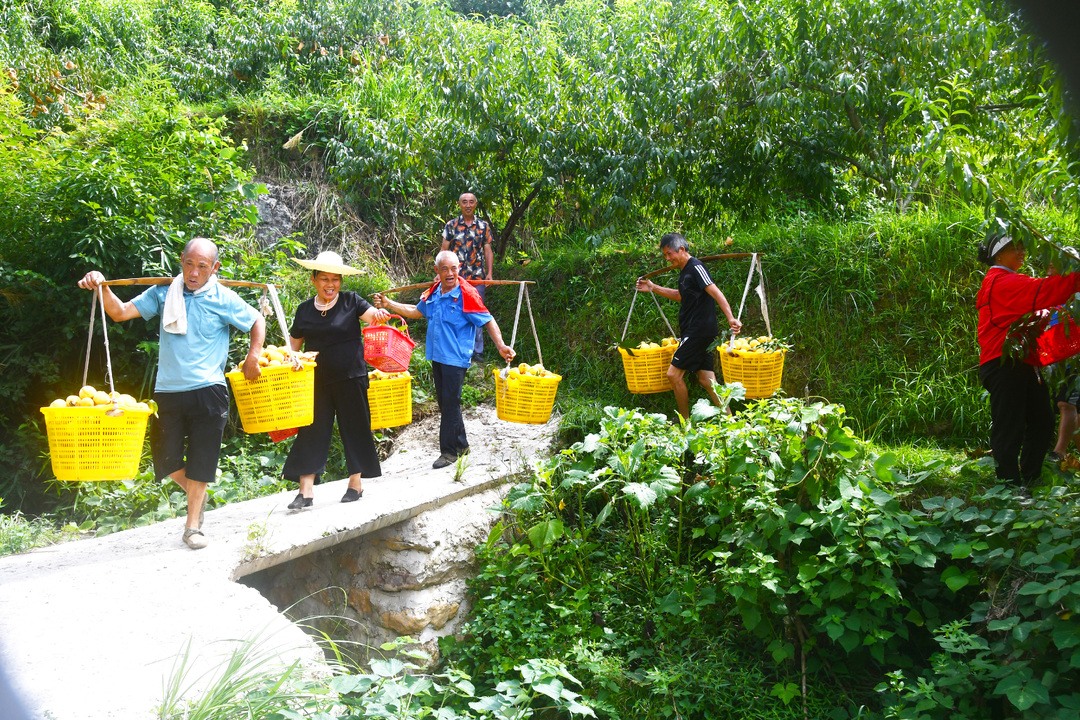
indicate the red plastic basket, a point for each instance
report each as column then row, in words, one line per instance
column 387, row 348
column 1059, row 341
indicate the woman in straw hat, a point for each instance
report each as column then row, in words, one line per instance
column 329, row 323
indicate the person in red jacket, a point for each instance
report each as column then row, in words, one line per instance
column 1021, row 416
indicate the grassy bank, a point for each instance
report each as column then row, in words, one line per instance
column 880, row 313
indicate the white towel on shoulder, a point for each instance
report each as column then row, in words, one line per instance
column 174, row 314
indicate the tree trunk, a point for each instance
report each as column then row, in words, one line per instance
column 516, row 213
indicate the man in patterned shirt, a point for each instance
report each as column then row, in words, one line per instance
column 696, row 294
column 469, row 238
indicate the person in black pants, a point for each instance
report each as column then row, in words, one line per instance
column 1022, row 418
column 329, row 323
column 454, row 310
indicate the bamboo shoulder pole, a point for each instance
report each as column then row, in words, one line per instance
column 726, row 256
column 417, row 286
column 168, row 280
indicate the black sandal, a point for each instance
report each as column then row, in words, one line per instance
column 301, row 502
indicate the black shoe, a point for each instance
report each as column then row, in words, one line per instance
column 352, row 495
column 301, row 502
column 444, row 460
column 1053, row 457
column 477, row 357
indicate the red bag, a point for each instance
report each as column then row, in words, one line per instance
column 279, row 435
column 1059, row 341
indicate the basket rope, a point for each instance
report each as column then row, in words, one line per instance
column 523, row 292
column 627, row 323
column 755, row 264
column 90, row 341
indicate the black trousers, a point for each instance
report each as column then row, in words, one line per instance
column 347, row 400
column 449, row 379
column 1021, row 418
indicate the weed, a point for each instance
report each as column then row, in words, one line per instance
column 258, row 541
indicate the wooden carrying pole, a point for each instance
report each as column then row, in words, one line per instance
column 270, row 289
column 168, row 280
column 726, row 256
column 417, row 286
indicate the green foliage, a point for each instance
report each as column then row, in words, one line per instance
column 251, row 682
column 779, row 525
column 19, row 533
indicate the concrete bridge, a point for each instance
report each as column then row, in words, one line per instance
column 92, row 629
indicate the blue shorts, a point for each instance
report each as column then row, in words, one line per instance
column 1069, row 392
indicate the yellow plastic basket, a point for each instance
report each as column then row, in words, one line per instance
column 646, row 370
column 759, row 373
column 390, row 400
column 525, row 399
column 86, row 444
column 281, row 398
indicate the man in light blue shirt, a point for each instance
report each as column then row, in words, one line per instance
column 454, row 310
column 193, row 346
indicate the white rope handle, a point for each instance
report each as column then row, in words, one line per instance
column 536, row 338
column 105, row 333
column 755, row 264
column 662, row 314
column 90, row 339
column 523, row 292
column 746, row 288
column 627, row 323
column 517, row 316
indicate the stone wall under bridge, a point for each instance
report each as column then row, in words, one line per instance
column 407, row 579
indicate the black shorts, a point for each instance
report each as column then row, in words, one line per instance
column 186, row 435
column 1069, row 392
column 694, row 354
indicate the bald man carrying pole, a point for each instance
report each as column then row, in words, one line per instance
column 454, row 311
column 193, row 346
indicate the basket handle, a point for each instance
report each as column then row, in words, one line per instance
column 404, row 325
column 627, row 323
column 755, row 264
column 90, row 339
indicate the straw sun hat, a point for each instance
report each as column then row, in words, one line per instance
column 329, row 262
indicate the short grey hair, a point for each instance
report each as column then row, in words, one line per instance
column 443, row 254
column 674, row 242
column 190, row 245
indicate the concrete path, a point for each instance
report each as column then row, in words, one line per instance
column 91, row 630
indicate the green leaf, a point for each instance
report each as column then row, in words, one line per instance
column 1025, row 695
column 545, row 533
column 670, row 604
column 961, row 551
column 643, row 495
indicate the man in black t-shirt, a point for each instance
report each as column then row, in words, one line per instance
column 697, row 319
